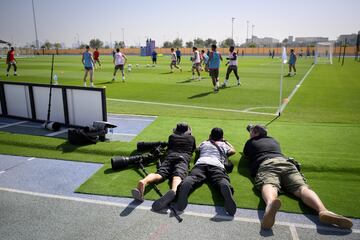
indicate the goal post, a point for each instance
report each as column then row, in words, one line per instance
column 324, row 53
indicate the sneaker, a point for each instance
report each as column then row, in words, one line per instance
column 123, row 79
column 15, row 74
column 239, row 83
column 216, row 89
column 229, row 204
column 164, row 201
column 270, row 213
column 84, row 84
column 199, row 78
column 113, row 79
column 334, row 219
column 92, row 85
column 193, row 77
column 7, row 74
column 137, row 194
column 223, row 85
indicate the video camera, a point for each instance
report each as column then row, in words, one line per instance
column 156, row 150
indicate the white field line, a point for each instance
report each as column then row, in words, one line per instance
column 30, row 159
column 13, row 124
column 206, row 215
column 188, row 106
column 284, row 104
column 57, row 133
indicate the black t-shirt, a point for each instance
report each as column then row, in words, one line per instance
column 259, row 149
column 181, row 144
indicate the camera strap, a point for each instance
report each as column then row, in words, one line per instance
column 222, row 153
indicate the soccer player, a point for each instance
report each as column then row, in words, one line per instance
column 232, row 66
column 88, row 62
column 11, row 61
column 204, row 60
column 196, row 63
column 174, row 61
column 119, row 62
column 178, row 56
column 214, row 65
column 96, row 57
column 292, row 61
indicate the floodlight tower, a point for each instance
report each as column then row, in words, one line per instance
column 252, row 33
column 247, row 31
column 36, row 34
column 232, row 28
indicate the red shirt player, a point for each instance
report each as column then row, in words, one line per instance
column 96, row 55
column 11, row 61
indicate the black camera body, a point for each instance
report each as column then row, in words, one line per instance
column 155, row 151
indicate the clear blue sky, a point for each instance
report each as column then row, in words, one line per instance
column 65, row 20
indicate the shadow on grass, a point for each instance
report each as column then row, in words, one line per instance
column 67, row 147
column 187, row 81
column 200, row 95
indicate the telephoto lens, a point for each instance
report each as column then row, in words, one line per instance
column 121, row 162
column 249, row 127
column 147, row 146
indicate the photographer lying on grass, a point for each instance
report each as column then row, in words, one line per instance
column 175, row 167
column 274, row 172
column 210, row 167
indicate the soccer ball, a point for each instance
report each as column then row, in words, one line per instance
column 137, row 65
column 147, row 65
column 129, row 67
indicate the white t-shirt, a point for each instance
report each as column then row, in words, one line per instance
column 196, row 58
column 173, row 56
column 210, row 155
column 233, row 62
column 119, row 59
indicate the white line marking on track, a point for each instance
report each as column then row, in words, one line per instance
column 283, row 105
column 293, row 232
column 30, row 159
column 13, row 124
column 56, row 133
column 2, row 172
column 205, row 215
column 188, row 106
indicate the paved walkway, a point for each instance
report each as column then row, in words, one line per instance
column 37, row 201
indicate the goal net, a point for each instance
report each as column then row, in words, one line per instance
column 324, row 53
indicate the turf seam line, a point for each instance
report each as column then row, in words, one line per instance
column 189, row 106
column 293, row 232
column 13, row 124
column 283, row 106
column 205, row 215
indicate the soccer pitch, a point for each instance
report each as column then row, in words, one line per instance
column 319, row 127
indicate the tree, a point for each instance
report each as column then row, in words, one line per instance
column 252, row 45
column 167, row 44
column 96, row 43
column 285, row 40
column 47, row 45
column 83, row 45
column 189, row 44
column 57, row 45
column 119, row 44
column 177, row 43
column 227, row 43
column 208, row 42
column 198, row 42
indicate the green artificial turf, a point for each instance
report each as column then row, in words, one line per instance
column 319, row 127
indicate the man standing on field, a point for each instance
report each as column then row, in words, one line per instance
column 196, row 63
column 11, row 61
column 119, row 62
column 213, row 66
column 88, row 62
column 232, row 66
column 96, row 58
column 174, row 61
column 292, row 61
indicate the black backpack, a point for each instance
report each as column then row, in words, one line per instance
column 83, row 136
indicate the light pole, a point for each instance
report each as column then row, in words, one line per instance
column 252, row 33
column 36, row 34
column 232, row 28
column 123, row 37
column 247, row 31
